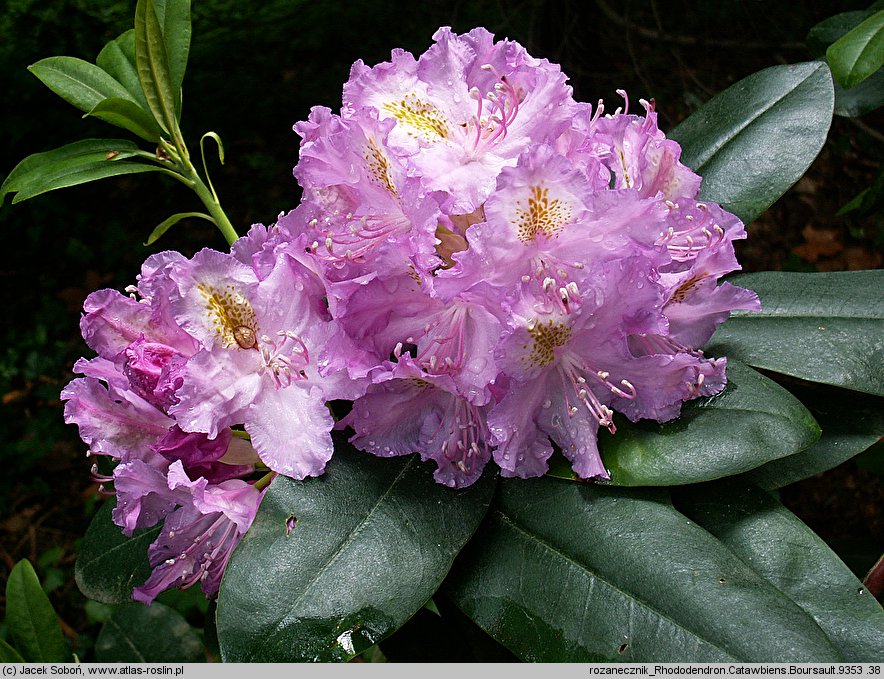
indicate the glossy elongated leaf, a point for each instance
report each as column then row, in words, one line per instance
column 570, row 572
column 155, row 634
column 30, row 618
column 867, row 95
column 167, row 224
column 117, row 58
column 152, row 63
column 821, row 327
column 110, row 565
column 54, row 166
column 8, row 653
column 174, row 16
column 81, row 174
column 777, row 545
column 851, row 423
column 78, row 82
column 128, row 115
column 332, row 565
column 755, row 139
column 862, row 98
column 830, row 29
column 751, row 423
column 858, row 54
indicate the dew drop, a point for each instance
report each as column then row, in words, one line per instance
column 477, row 365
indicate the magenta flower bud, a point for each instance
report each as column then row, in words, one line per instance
column 154, row 371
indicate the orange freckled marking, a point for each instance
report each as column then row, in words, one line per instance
column 232, row 315
column 419, row 115
column 414, row 275
column 541, row 215
column 379, row 167
column 626, row 178
column 685, row 289
column 547, row 336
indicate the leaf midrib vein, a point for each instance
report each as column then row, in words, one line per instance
column 552, row 548
column 751, row 121
column 334, row 556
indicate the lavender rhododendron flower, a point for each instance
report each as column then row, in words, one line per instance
column 123, row 408
column 576, row 272
column 484, row 267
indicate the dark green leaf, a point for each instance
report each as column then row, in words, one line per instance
column 861, row 99
column 779, row 547
column 851, row 423
column 175, row 19
column 752, row 422
column 109, row 564
column 118, row 59
column 829, row 30
column 78, row 82
column 80, row 174
column 751, row 142
column 333, row 564
column 821, row 327
column 859, row 53
column 30, row 618
column 154, row 634
column 128, row 115
column 152, row 63
column 572, row 572
column 166, row 224
column 869, row 94
column 8, row 653
column 37, row 167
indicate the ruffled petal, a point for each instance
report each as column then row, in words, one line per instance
column 290, row 429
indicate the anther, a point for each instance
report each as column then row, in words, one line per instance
column 245, row 337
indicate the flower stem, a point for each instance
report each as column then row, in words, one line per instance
column 212, row 205
column 181, row 157
column 264, row 481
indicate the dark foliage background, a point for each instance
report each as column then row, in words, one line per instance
column 255, row 69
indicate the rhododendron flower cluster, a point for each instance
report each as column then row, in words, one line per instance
column 483, row 266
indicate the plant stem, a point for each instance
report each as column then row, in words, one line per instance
column 181, row 157
column 212, row 205
column 264, row 481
